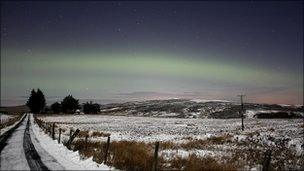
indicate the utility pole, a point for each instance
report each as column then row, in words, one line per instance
column 242, row 110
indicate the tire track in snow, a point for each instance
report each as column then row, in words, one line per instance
column 32, row 157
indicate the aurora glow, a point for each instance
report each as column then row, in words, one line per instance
column 119, row 59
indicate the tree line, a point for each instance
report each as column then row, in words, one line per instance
column 37, row 104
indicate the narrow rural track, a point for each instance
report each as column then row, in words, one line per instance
column 32, row 157
column 17, row 149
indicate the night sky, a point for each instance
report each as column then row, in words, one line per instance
column 125, row 51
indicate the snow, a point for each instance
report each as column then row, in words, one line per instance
column 284, row 105
column 12, row 156
column 265, row 133
column 204, row 100
column 68, row 159
column 50, row 162
column 179, row 130
column 168, row 154
column 250, row 113
column 112, row 109
column 296, row 143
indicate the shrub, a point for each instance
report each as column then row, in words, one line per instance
column 69, row 104
column 90, row 108
column 56, row 107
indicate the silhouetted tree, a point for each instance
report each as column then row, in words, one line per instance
column 36, row 101
column 90, row 108
column 56, row 107
column 69, row 104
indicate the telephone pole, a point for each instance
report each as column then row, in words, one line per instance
column 242, row 110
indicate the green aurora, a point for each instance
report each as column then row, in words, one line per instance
column 110, row 73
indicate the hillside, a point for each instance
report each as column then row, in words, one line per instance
column 184, row 108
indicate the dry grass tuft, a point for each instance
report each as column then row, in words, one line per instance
column 131, row 155
column 200, row 144
column 195, row 144
column 167, row 145
column 220, row 139
column 100, row 134
column 82, row 134
column 125, row 155
column 194, row 162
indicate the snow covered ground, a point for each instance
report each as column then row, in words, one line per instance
column 204, row 100
column 259, row 134
column 68, row 159
column 174, row 129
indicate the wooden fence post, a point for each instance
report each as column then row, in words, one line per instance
column 154, row 166
column 71, row 133
column 267, row 160
column 86, row 141
column 50, row 128
column 69, row 142
column 107, row 149
column 59, row 136
column 53, row 131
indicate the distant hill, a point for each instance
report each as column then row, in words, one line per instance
column 14, row 109
column 184, row 108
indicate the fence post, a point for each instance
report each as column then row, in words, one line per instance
column 69, row 142
column 71, row 133
column 86, row 141
column 267, row 160
column 59, row 136
column 50, row 127
column 53, row 131
column 107, row 149
column 242, row 122
column 154, row 166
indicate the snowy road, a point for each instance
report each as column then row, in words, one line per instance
column 19, row 153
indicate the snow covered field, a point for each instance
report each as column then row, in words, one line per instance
column 165, row 129
column 283, row 136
